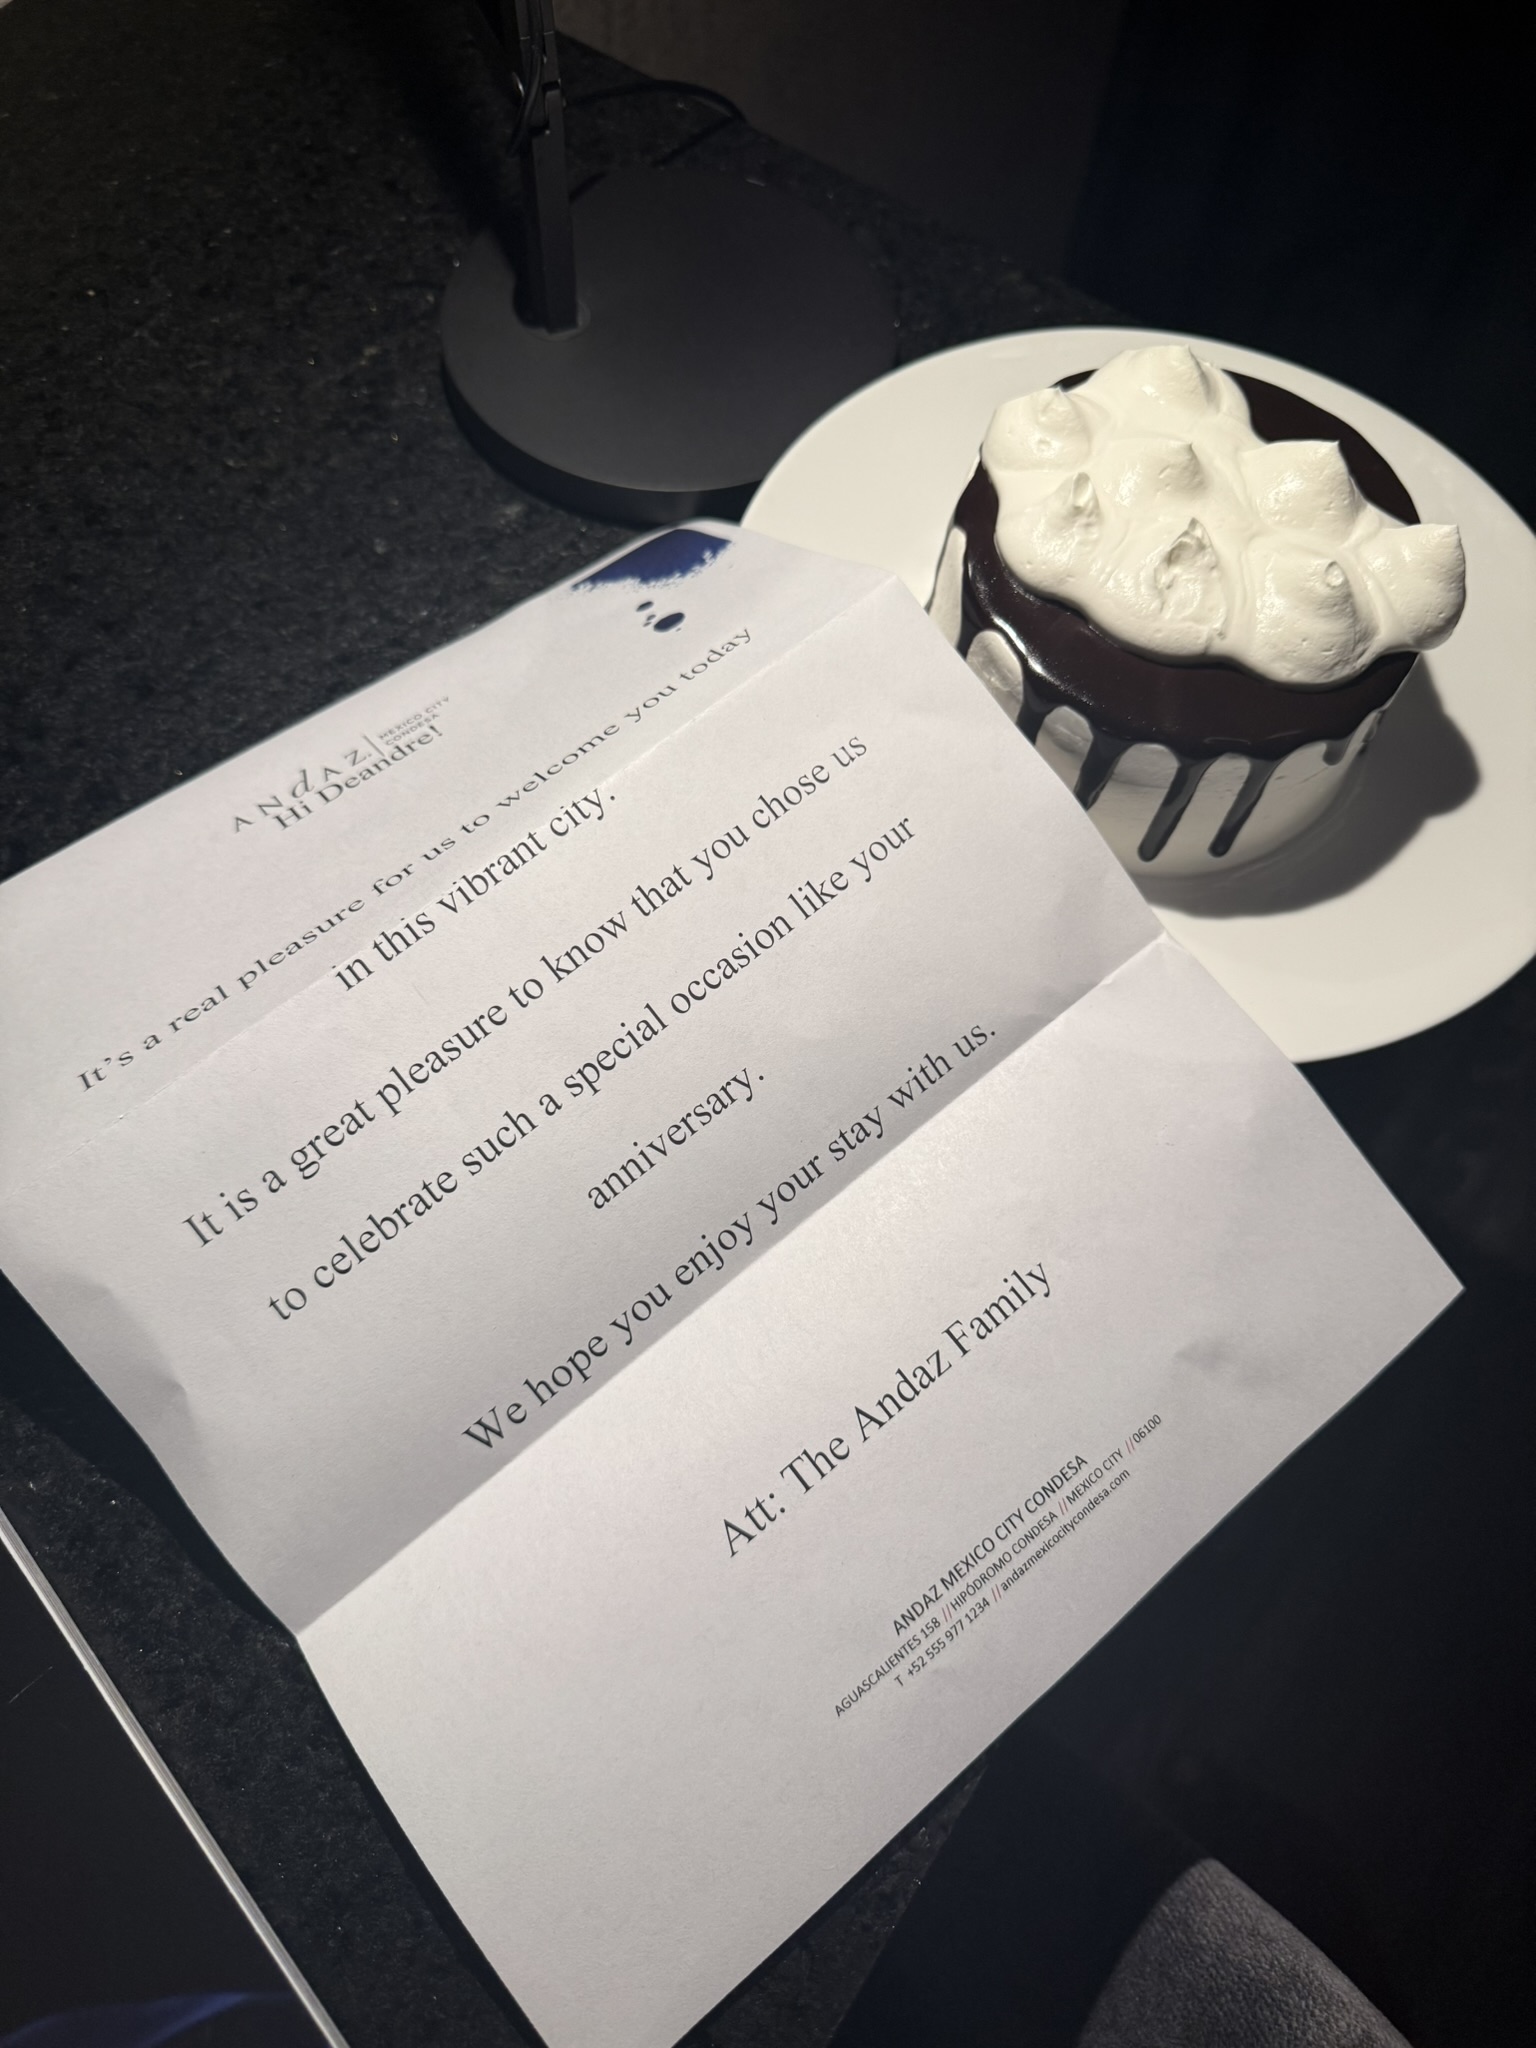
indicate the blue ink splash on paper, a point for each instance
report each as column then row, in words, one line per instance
column 664, row 558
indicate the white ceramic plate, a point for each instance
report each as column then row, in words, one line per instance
column 1418, row 895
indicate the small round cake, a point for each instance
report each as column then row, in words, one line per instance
column 1196, row 594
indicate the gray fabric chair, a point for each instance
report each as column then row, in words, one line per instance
column 1213, row 1966
column 1061, row 1915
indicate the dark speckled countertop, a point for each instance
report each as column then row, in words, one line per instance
column 231, row 491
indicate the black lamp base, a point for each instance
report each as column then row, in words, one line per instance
column 718, row 320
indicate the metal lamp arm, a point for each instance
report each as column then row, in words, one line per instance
column 546, row 294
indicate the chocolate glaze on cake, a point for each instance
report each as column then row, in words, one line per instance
column 1199, row 710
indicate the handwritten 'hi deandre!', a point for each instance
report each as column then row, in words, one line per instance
column 808, row 1468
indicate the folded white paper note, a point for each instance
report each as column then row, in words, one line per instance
column 674, row 1213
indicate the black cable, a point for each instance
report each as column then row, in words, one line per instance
column 660, row 163
column 676, row 86
column 528, row 92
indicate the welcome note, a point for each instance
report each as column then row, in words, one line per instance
column 676, row 1216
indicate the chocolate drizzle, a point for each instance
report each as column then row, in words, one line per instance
column 1176, row 801
column 1242, row 806
column 1198, row 710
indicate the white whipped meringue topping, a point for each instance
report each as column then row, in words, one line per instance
column 1144, row 499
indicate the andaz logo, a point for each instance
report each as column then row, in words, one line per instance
column 286, row 807
column 313, row 789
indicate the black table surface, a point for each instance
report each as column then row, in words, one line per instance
column 231, row 492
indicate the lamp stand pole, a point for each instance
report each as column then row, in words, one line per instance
column 655, row 346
